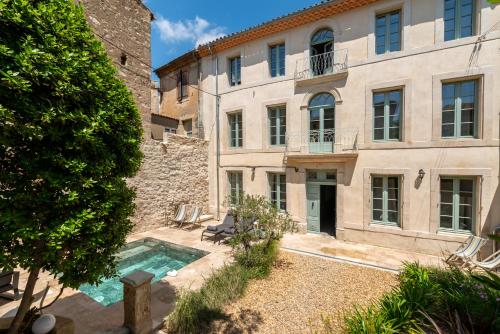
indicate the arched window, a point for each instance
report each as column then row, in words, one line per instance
column 322, row 36
column 322, row 52
column 322, row 100
column 321, row 123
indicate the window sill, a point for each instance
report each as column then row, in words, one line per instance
column 382, row 224
column 450, row 232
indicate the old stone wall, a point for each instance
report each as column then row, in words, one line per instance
column 173, row 172
column 124, row 27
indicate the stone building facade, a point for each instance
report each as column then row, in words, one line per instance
column 179, row 97
column 124, row 27
column 174, row 172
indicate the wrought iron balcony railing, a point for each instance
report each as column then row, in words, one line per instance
column 325, row 64
column 327, row 141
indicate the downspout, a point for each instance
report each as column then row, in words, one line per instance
column 217, row 129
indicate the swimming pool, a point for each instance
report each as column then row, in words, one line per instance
column 154, row 256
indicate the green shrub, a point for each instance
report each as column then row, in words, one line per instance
column 259, row 259
column 224, row 286
column 432, row 300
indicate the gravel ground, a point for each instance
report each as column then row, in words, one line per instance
column 298, row 292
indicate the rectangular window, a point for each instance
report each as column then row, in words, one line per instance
column 458, row 19
column 388, row 32
column 188, row 127
column 235, row 186
column 459, row 116
column 277, row 185
column 235, row 71
column 277, row 125
column 170, row 130
column 457, row 204
column 385, row 200
column 277, row 60
column 182, row 83
column 387, row 115
column 236, row 130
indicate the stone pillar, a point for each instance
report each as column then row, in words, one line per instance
column 137, row 302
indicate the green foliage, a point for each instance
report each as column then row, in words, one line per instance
column 70, row 134
column 430, row 300
column 272, row 223
column 259, row 259
column 195, row 310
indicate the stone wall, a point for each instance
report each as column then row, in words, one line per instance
column 173, row 172
column 124, row 27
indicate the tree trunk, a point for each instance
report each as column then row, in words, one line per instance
column 24, row 307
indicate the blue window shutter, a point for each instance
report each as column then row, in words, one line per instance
column 273, row 61
column 281, row 51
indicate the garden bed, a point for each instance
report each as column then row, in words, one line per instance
column 298, row 291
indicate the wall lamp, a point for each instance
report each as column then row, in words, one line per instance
column 421, row 174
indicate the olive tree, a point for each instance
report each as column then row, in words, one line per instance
column 257, row 218
column 70, row 134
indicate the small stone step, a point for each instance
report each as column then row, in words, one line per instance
column 205, row 218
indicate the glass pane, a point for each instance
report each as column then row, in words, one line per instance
column 466, row 185
column 377, row 192
column 322, row 36
column 377, row 182
column 446, row 222
column 446, row 197
column 448, row 130
column 377, row 204
column 378, row 134
column 392, row 216
column 465, row 224
column 377, row 215
column 392, row 194
column 393, row 182
column 392, row 205
column 447, row 209
column 322, row 99
column 447, row 184
column 378, row 122
column 448, row 117
column 465, row 211
column 394, row 133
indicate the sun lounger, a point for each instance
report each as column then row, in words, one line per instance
column 217, row 230
column 9, row 280
column 491, row 263
column 468, row 249
column 180, row 215
column 194, row 217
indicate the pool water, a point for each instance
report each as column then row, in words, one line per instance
column 154, row 256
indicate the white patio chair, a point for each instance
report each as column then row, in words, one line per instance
column 180, row 216
column 467, row 250
column 491, row 263
column 194, row 217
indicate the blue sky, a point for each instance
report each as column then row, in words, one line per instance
column 181, row 24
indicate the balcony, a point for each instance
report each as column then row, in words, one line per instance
column 321, row 68
column 326, row 145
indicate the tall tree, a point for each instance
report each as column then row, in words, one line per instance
column 70, row 134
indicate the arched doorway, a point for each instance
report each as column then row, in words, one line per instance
column 321, row 123
column 322, row 52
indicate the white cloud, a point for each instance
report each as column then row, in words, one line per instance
column 199, row 30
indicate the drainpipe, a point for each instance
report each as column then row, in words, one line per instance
column 217, row 128
column 217, row 131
